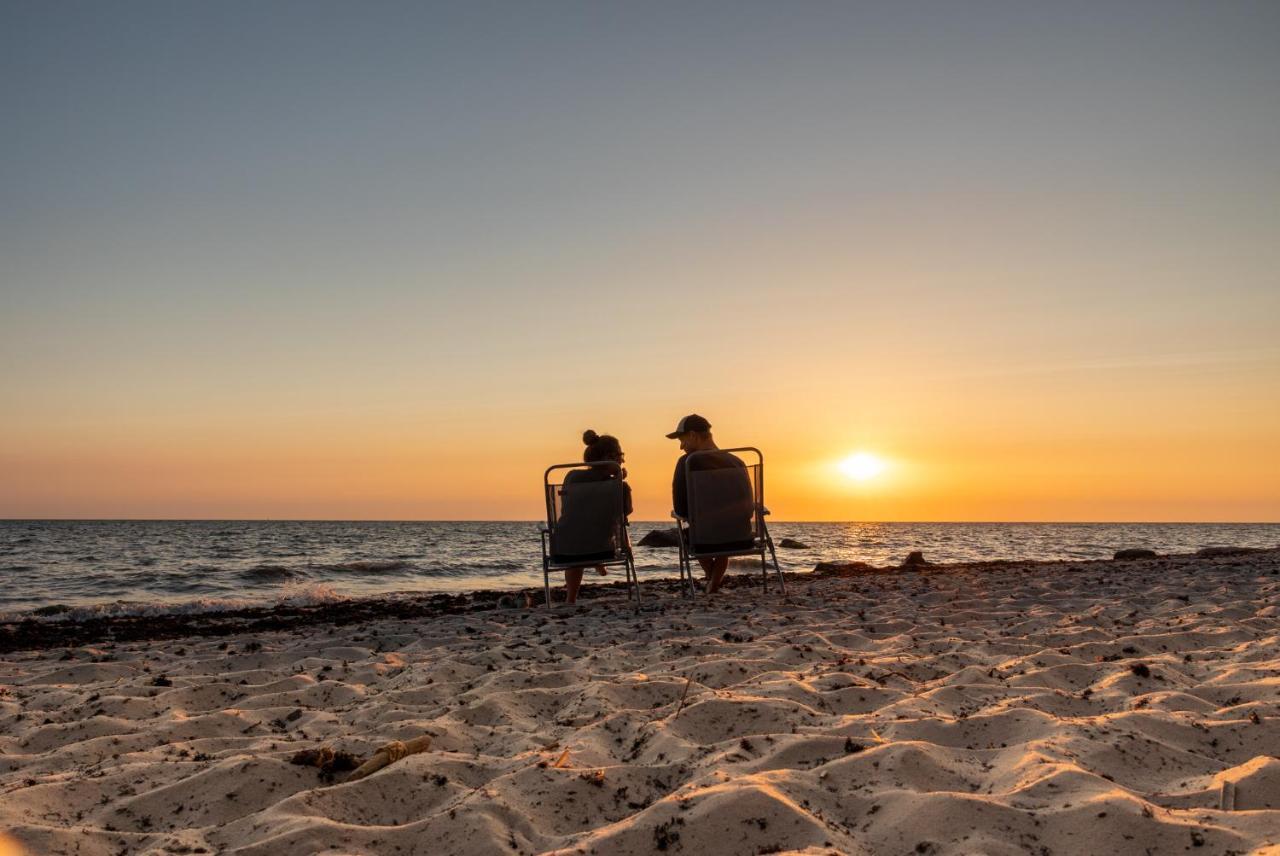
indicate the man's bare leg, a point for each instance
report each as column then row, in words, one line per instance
column 572, row 582
column 714, row 569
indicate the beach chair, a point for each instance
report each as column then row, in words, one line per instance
column 586, row 522
column 726, row 515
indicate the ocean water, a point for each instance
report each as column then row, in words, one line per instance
column 131, row 566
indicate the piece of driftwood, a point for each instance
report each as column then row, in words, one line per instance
column 679, row 707
column 389, row 754
column 326, row 760
column 1227, row 798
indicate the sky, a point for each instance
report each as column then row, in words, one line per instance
column 389, row 260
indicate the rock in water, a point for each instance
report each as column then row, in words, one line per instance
column 1135, row 553
column 915, row 559
column 661, row 538
column 793, row 544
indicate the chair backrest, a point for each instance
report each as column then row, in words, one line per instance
column 585, row 511
column 724, row 498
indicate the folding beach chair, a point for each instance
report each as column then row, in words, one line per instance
column 726, row 514
column 586, row 522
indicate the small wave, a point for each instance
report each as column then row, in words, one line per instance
column 270, row 572
column 308, row 594
column 370, row 566
column 290, row 594
column 493, row 566
column 130, row 608
column 16, row 568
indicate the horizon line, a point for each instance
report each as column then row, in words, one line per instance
column 542, row 520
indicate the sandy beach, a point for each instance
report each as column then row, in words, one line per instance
column 1091, row 707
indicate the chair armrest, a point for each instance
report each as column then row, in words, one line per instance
column 762, row 509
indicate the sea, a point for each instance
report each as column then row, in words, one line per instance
column 98, row 567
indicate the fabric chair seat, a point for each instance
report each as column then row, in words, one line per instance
column 730, row 546
column 584, row 558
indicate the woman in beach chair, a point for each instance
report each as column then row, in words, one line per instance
column 599, row 448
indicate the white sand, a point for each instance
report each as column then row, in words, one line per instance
column 982, row 710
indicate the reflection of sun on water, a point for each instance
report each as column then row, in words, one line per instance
column 862, row 466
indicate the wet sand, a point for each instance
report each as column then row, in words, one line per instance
column 1089, row 707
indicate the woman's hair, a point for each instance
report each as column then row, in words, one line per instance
column 600, row 447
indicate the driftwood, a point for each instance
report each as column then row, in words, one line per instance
column 326, row 760
column 679, row 707
column 389, row 754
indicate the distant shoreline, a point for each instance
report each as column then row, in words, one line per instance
column 638, row 522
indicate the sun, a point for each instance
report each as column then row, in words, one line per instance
column 862, row 466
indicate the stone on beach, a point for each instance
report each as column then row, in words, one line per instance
column 792, row 544
column 1133, row 554
column 915, row 559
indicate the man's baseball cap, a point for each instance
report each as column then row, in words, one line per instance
column 692, row 422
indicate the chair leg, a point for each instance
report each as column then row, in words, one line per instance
column 633, row 580
column 684, row 584
column 546, row 583
column 764, row 568
column 782, row 582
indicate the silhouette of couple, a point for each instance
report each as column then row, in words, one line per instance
column 694, row 434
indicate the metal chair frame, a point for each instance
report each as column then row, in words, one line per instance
column 622, row 550
column 761, row 542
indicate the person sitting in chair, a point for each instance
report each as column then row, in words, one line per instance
column 694, row 434
column 598, row 448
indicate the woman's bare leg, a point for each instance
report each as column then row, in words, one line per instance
column 714, row 569
column 572, row 582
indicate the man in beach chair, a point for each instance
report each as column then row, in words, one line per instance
column 718, row 502
column 587, row 507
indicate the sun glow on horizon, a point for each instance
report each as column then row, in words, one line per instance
column 862, row 466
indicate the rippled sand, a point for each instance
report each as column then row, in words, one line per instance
column 1014, row 708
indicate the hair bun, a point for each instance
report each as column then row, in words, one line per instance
column 589, row 437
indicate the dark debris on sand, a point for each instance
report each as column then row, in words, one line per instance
column 27, row 634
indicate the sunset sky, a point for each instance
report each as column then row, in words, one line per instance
column 348, row 260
